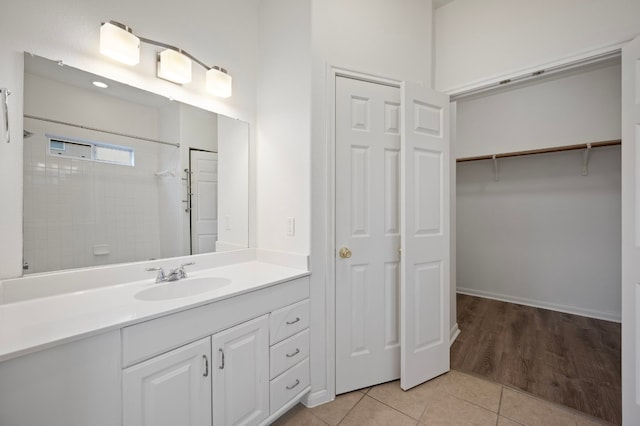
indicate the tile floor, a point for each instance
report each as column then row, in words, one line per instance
column 452, row 399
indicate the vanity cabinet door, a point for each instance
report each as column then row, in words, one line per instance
column 170, row 389
column 241, row 373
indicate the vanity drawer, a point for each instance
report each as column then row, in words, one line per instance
column 288, row 352
column 288, row 385
column 288, row 321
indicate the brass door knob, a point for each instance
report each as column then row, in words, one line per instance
column 345, row 253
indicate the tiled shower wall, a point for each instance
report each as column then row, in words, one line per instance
column 76, row 209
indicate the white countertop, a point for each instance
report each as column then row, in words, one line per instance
column 38, row 324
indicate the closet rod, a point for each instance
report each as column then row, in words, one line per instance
column 541, row 151
column 110, row 132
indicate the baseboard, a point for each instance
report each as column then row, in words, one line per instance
column 453, row 334
column 607, row 316
column 313, row 399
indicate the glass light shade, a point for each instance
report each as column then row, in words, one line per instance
column 218, row 83
column 174, row 66
column 119, row 44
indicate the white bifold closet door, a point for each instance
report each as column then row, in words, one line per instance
column 392, row 234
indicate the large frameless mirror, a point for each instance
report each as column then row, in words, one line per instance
column 114, row 174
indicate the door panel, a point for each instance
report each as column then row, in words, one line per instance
column 631, row 232
column 241, row 376
column 204, row 201
column 368, row 223
column 424, row 300
column 170, row 389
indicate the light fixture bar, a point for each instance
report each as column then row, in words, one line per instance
column 225, row 76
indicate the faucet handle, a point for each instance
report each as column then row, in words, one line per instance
column 182, row 272
column 161, row 275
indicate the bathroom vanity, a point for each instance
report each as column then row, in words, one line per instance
column 142, row 353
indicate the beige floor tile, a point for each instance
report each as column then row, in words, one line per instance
column 532, row 411
column 333, row 412
column 299, row 416
column 370, row 412
column 364, row 390
column 412, row 402
column 445, row 409
column 478, row 391
column 503, row 421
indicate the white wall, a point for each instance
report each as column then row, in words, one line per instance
column 220, row 32
column 484, row 41
column 386, row 38
column 283, row 131
column 543, row 234
column 233, row 176
column 383, row 38
column 630, row 235
column 567, row 109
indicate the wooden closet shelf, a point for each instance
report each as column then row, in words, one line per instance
column 542, row 151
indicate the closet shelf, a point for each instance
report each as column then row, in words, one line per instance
column 541, row 151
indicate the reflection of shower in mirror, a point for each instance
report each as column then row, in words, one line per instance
column 109, row 178
column 166, row 173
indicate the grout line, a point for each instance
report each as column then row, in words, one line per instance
column 499, row 405
column 351, row 409
column 321, row 420
column 394, row 409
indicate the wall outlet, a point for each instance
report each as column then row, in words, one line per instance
column 291, row 226
column 227, row 223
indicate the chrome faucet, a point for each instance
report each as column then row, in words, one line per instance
column 173, row 275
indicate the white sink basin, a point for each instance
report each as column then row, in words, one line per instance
column 182, row 288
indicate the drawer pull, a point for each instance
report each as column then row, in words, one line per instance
column 293, row 385
column 294, row 353
column 294, row 321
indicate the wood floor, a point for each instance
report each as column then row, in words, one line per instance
column 564, row 358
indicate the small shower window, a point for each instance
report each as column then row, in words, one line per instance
column 89, row 150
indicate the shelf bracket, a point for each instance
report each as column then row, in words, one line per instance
column 585, row 160
column 495, row 168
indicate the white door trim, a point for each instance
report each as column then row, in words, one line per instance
column 330, row 240
column 601, row 53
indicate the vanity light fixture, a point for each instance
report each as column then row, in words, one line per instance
column 118, row 42
column 174, row 64
column 219, row 82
